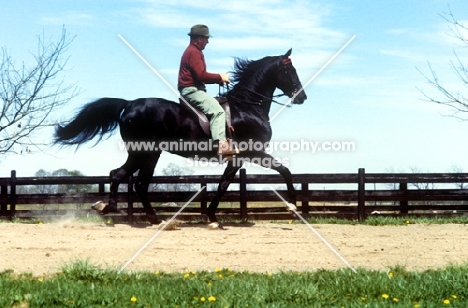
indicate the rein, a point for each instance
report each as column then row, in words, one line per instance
column 262, row 100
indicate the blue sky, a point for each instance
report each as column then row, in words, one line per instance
column 368, row 95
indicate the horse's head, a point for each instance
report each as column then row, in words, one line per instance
column 257, row 80
column 288, row 81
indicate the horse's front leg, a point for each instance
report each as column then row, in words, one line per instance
column 116, row 177
column 223, row 185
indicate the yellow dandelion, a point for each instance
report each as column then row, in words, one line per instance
column 454, row 296
column 212, row 299
column 209, row 284
column 395, row 300
column 390, row 274
column 187, row 275
column 133, row 299
column 157, row 273
column 220, row 276
column 416, row 305
column 385, row 296
column 202, row 299
column 217, row 270
column 446, row 301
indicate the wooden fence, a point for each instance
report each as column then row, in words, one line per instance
column 351, row 195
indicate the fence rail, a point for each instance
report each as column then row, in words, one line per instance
column 365, row 193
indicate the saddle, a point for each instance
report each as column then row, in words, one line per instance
column 203, row 119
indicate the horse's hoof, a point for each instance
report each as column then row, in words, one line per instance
column 173, row 225
column 161, row 224
column 215, row 225
column 98, row 206
column 291, row 207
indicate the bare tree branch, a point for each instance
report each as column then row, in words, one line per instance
column 30, row 94
column 456, row 28
column 454, row 99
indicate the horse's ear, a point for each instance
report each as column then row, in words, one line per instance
column 288, row 53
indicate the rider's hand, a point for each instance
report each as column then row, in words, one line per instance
column 224, row 78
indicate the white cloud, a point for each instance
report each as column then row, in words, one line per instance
column 404, row 54
column 301, row 21
column 68, row 18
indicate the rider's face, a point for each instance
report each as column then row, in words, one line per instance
column 202, row 41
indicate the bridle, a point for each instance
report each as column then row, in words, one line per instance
column 287, row 64
column 286, row 69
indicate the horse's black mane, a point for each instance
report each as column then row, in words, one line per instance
column 245, row 69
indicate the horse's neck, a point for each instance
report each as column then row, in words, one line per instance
column 260, row 96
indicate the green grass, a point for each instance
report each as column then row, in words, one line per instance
column 371, row 220
column 388, row 220
column 81, row 284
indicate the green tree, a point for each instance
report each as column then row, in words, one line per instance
column 176, row 170
column 63, row 188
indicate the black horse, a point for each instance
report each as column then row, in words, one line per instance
column 158, row 121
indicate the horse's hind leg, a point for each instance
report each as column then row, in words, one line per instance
column 148, row 163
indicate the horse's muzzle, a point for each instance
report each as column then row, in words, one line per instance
column 299, row 97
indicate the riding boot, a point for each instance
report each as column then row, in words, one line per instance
column 227, row 148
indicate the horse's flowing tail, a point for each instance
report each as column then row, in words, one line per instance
column 94, row 119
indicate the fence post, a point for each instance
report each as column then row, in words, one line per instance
column 361, row 194
column 243, row 193
column 305, row 198
column 130, row 199
column 404, row 203
column 203, row 203
column 13, row 193
column 101, row 188
column 4, row 198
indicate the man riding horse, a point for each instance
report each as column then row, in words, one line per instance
column 191, row 84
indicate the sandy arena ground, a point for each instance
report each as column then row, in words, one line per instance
column 261, row 247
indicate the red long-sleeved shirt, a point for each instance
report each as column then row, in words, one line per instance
column 192, row 71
